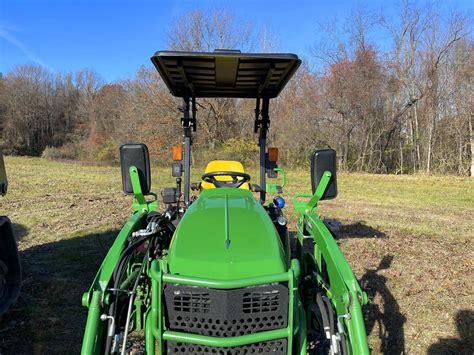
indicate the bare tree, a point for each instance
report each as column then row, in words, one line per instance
column 197, row 31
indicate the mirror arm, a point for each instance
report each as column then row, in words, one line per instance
column 139, row 200
column 283, row 176
column 320, row 189
column 270, row 188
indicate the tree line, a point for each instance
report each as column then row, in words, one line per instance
column 401, row 105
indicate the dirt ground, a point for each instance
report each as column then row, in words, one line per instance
column 409, row 240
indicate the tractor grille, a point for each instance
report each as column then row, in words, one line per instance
column 274, row 347
column 226, row 313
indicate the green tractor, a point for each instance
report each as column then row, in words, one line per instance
column 10, row 269
column 215, row 272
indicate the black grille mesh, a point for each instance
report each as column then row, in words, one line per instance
column 274, row 347
column 261, row 301
column 226, row 328
column 225, row 313
column 191, row 302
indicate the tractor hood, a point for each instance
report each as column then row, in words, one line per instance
column 226, row 234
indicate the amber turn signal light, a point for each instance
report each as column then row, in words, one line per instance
column 177, row 152
column 273, row 154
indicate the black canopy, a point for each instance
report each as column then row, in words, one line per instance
column 225, row 73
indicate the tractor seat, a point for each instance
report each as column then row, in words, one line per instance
column 223, row 165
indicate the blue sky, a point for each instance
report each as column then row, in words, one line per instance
column 116, row 37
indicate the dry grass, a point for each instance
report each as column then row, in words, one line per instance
column 408, row 239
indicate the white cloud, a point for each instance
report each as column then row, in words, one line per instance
column 7, row 36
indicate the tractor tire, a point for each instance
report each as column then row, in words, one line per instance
column 10, row 269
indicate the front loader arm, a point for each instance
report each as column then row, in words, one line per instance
column 325, row 265
column 96, row 298
column 334, row 275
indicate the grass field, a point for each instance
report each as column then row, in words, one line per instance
column 409, row 240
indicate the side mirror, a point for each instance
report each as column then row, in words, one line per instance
column 324, row 160
column 3, row 177
column 135, row 154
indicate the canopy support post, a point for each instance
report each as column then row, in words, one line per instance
column 189, row 123
column 262, row 123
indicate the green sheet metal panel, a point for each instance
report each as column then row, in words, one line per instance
column 226, row 234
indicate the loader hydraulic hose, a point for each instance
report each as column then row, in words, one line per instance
column 343, row 344
column 116, row 279
column 327, row 314
column 332, row 325
column 132, row 297
column 123, row 260
column 128, row 250
column 330, row 312
column 324, row 315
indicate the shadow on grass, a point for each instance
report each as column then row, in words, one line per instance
column 19, row 231
column 359, row 230
column 387, row 316
column 462, row 345
column 49, row 317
